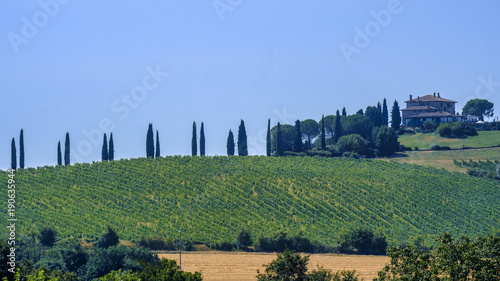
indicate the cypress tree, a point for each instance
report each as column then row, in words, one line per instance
column 323, row 136
column 360, row 112
column 230, row 144
column 157, row 152
column 279, row 141
column 268, row 138
column 385, row 114
column 395, row 116
column 104, row 152
column 59, row 154
column 338, row 126
column 242, row 140
column 344, row 113
column 298, row 137
column 150, row 145
column 202, row 140
column 111, row 148
column 21, row 150
column 194, row 149
column 66, row 150
column 13, row 155
column 378, row 118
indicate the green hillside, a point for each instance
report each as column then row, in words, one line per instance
column 213, row 197
column 424, row 141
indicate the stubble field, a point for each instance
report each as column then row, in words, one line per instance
column 243, row 266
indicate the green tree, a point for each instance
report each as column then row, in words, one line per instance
column 387, row 141
column 111, row 148
column 310, row 129
column 288, row 134
column 357, row 124
column 150, row 145
column 242, row 140
column 395, row 116
column 108, row 239
column 338, row 127
column 279, row 142
column 360, row 112
column 202, row 140
column 344, row 113
column 478, row 107
column 362, row 242
column 157, row 151
column 244, row 239
column 194, row 148
column 379, row 118
column 352, row 143
column 385, row 114
column 268, row 138
column 167, row 270
column 59, row 154
column 329, row 127
column 21, row 150
column 323, row 133
column 230, row 144
column 67, row 150
column 372, row 113
column 13, row 155
column 118, row 275
column 104, row 152
column 288, row 266
column 298, row 137
column 47, row 236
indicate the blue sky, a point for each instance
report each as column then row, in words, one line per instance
column 89, row 67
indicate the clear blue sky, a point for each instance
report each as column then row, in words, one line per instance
column 66, row 66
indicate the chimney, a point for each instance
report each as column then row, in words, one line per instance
column 439, row 95
column 411, row 98
column 434, row 94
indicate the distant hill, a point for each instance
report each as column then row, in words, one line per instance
column 214, row 197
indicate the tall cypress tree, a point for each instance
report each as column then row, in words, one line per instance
column 378, row 118
column 59, row 154
column 230, row 144
column 268, row 138
column 323, row 136
column 13, row 155
column 242, row 140
column 297, row 145
column 66, row 150
column 395, row 116
column 279, row 142
column 338, row 127
column 344, row 113
column 157, row 152
column 194, row 149
column 111, row 148
column 21, row 150
column 385, row 114
column 104, row 151
column 202, row 140
column 150, row 143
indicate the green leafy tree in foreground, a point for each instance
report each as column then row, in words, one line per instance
column 479, row 107
column 242, row 140
column 230, row 143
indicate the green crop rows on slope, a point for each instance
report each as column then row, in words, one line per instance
column 214, row 197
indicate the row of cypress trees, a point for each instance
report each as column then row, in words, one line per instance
column 13, row 150
column 66, row 152
column 242, row 141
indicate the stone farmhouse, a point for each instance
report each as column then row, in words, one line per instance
column 429, row 107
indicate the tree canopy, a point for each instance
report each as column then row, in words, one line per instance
column 478, row 107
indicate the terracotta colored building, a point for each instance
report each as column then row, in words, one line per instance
column 429, row 107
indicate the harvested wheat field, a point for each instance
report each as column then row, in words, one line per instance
column 243, row 266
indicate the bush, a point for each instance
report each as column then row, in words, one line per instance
column 244, row 239
column 292, row 153
column 444, row 130
column 386, row 141
column 362, row 242
column 430, row 125
column 435, row 146
column 456, row 130
column 157, row 243
column 280, row 241
column 110, row 238
column 352, row 143
column 320, row 153
column 47, row 237
column 166, row 270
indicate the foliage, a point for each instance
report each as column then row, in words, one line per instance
column 395, row 116
column 67, row 150
column 288, row 133
column 479, row 107
column 357, row 124
column 157, row 151
column 363, row 242
column 268, row 138
column 322, row 134
column 167, row 270
column 297, row 145
column 387, row 141
column 104, row 151
column 244, row 239
column 288, row 266
column 310, row 129
column 108, row 239
column 59, row 154
column 202, row 140
column 13, row 155
column 480, row 168
column 157, row 243
column 456, row 130
column 430, row 125
column 111, row 152
column 352, row 143
column 21, row 149
column 460, row 260
column 279, row 142
column 242, row 140
column 230, row 144
column 150, row 146
column 338, row 127
column 281, row 241
column 47, row 236
column 118, row 275
column 385, row 114
column 194, row 139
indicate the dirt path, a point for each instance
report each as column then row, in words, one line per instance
column 243, row 266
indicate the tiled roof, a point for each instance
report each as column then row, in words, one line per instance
column 429, row 98
column 420, row 107
column 432, row 114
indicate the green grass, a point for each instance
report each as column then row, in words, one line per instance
column 212, row 198
column 424, row 141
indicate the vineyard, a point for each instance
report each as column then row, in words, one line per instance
column 212, row 198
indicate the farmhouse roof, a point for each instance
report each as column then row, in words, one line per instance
column 429, row 98
column 420, row 107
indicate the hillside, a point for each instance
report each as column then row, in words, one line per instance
column 424, row 141
column 213, row 197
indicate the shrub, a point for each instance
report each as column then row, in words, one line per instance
column 110, row 238
column 362, row 242
column 430, row 125
column 167, row 270
column 244, row 239
column 352, row 143
column 47, row 237
column 157, row 243
column 444, row 130
column 292, row 153
column 435, row 146
column 386, row 141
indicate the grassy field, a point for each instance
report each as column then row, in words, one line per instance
column 424, row 141
column 243, row 266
